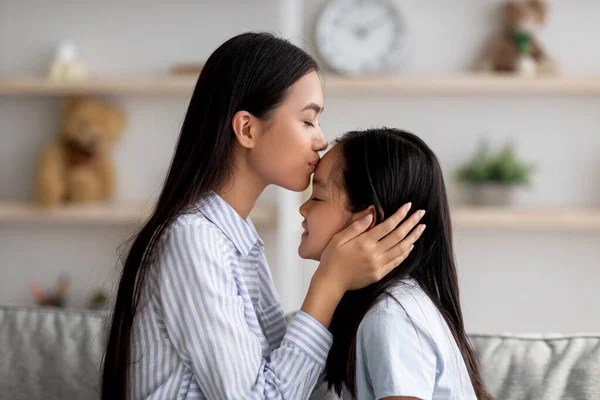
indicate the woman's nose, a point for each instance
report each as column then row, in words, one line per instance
column 321, row 143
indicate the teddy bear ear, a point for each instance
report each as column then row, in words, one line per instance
column 72, row 102
column 511, row 12
column 540, row 8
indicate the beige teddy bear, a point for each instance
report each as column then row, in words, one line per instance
column 76, row 165
column 516, row 49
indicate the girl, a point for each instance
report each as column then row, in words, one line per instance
column 402, row 337
column 196, row 313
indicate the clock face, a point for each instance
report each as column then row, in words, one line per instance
column 360, row 36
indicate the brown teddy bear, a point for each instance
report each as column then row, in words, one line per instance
column 76, row 166
column 516, row 50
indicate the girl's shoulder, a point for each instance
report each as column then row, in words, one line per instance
column 404, row 297
column 406, row 306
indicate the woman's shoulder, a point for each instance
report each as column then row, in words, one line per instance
column 194, row 220
column 195, row 227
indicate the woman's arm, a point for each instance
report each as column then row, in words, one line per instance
column 204, row 318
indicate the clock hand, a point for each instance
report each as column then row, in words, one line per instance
column 364, row 30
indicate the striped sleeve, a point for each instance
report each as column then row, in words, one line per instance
column 204, row 318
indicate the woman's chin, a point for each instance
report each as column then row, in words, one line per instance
column 297, row 185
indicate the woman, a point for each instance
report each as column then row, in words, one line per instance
column 196, row 313
column 402, row 337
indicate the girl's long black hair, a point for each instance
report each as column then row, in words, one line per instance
column 388, row 168
column 251, row 72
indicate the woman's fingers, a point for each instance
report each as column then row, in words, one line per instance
column 403, row 247
column 353, row 230
column 400, row 232
column 390, row 265
column 389, row 224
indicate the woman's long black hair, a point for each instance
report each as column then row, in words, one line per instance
column 250, row 72
column 388, row 168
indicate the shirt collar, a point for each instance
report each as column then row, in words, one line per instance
column 241, row 232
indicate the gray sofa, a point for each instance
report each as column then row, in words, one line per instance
column 48, row 353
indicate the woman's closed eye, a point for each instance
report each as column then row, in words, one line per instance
column 315, row 199
column 309, row 124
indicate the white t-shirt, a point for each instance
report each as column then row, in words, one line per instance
column 409, row 351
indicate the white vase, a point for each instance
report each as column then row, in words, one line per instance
column 493, row 194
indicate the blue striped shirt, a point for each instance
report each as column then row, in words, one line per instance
column 210, row 324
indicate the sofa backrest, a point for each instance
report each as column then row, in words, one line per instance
column 48, row 353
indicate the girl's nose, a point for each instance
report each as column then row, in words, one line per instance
column 303, row 209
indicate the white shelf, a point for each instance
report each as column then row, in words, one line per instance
column 461, row 85
column 106, row 214
column 465, row 85
column 266, row 215
column 526, row 218
column 125, row 85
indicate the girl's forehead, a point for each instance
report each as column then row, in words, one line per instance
column 327, row 164
column 328, row 175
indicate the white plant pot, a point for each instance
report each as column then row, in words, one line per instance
column 527, row 66
column 493, row 194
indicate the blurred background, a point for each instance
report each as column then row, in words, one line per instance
column 516, row 128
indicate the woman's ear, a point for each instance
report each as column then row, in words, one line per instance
column 370, row 210
column 243, row 124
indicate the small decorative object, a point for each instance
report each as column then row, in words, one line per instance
column 99, row 300
column 361, row 37
column 517, row 50
column 53, row 299
column 66, row 65
column 76, row 166
column 494, row 177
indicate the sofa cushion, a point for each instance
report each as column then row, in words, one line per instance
column 540, row 367
column 49, row 353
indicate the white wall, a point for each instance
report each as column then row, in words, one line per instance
column 511, row 281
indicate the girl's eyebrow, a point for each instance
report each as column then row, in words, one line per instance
column 318, row 182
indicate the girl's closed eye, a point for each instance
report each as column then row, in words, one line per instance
column 309, row 124
column 315, row 199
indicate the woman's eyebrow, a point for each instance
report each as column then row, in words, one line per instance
column 313, row 106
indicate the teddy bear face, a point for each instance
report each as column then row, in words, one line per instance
column 91, row 125
column 524, row 16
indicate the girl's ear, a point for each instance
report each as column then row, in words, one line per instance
column 243, row 124
column 364, row 213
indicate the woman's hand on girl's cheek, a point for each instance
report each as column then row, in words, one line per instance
column 355, row 258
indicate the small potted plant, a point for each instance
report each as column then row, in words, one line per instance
column 99, row 300
column 493, row 178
